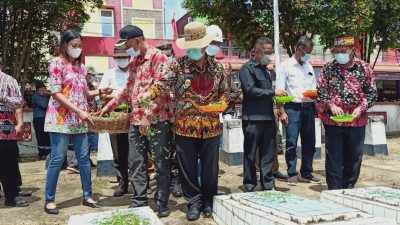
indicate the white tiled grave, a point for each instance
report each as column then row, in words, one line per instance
column 278, row 208
column 100, row 217
column 379, row 201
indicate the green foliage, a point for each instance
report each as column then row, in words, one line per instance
column 29, row 32
column 376, row 20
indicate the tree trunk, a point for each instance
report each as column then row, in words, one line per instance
column 376, row 59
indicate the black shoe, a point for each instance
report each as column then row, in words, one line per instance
column 278, row 175
column 94, row 205
column 16, row 202
column 163, row 211
column 193, row 212
column 176, row 188
column 221, row 192
column 138, row 205
column 23, row 193
column 248, row 189
column 119, row 193
column 51, row 211
column 92, row 165
column 207, row 211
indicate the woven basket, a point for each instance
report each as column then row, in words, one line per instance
column 113, row 123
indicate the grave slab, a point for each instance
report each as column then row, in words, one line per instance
column 379, row 201
column 144, row 215
column 278, row 208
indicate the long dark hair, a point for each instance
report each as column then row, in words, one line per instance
column 66, row 37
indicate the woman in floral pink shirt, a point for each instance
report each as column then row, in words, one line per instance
column 67, row 117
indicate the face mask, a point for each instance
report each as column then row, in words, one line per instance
column 212, row 50
column 122, row 63
column 170, row 59
column 130, row 51
column 270, row 56
column 342, row 58
column 265, row 60
column 74, row 52
column 305, row 57
column 194, row 53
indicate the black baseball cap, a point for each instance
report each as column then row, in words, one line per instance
column 129, row 32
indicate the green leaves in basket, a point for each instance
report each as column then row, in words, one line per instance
column 344, row 118
column 123, row 106
column 283, row 99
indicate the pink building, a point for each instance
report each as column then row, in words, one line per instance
column 101, row 32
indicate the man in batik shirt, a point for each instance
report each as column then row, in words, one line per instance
column 197, row 80
column 11, row 122
column 345, row 85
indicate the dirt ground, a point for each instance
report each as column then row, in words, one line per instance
column 379, row 170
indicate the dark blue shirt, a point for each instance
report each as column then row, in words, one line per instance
column 39, row 103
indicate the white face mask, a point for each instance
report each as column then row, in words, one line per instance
column 130, row 51
column 74, row 52
column 122, row 63
column 212, row 50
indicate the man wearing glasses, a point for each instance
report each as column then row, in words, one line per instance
column 259, row 127
column 296, row 76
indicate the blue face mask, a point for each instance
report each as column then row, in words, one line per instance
column 305, row 57
column 212, row 50
column 194, row 53
column 342, row 58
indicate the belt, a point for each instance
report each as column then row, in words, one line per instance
column 300, row 104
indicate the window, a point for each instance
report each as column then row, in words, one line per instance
column 107, row 23
column 99, row 63
column 388, row 90
column 142, row 4
column 147, row 25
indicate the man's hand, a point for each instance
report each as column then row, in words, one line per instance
column 307, row 99
column 106, row 91
column 270, row 67
column 85, row 116
column 18, row 128
column 280, row 93
column 336, row 110
column 103, row 111
column 357, row 112
column 283, row 117
column 144, row 126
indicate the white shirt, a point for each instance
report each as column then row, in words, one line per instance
column 116, row 79
column 295, row 78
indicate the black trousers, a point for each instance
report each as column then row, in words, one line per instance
column 43, row 138
column 344, row 150
column 262, row 135
column 188, row 151
column 9, row 171
column 139, row 147
column 120, row 149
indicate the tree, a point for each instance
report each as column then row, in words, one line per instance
column 29, row 31
column 375, row 22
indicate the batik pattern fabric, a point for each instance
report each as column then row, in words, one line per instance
column 144, row 71
column 11, row 100
column 192, row 88
column 69, row 79
column 347, row 88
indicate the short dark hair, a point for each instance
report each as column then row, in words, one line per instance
column 304, row 41
column 262, row 41
column 66, row 37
